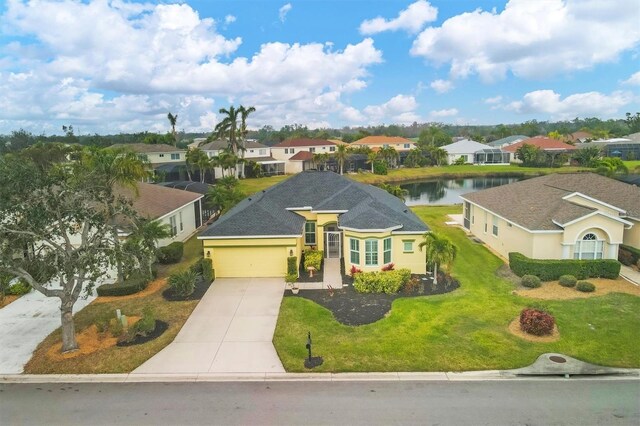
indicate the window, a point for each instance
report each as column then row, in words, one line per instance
column 354, row 245
column 485, row 223
column 407, row 145
column 291, row 151
column 161, row 156
column 495, row 226
column 407, row 246
column 386, row 251
column 251, row 151
column 310, row 233
column 172, row 224
column 181, row 224
column 590, row 247
column 465, row 158
column 262, row 151
column 385, row 145
column 175, row 156
column 312, row 150
column 371, row 252
column 332, row 148
column 286, row 150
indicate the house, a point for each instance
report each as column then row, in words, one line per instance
column 377, row 142
column 472, row 152
column 580, row 136
column 256, row 152
column 297, row 154
column 548, row 145
column 166, row 161
column 362, row 224
column 623, row 148
column 509, row 140
column 558, row 216
column 181, row 210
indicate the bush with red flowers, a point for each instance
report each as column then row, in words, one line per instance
column 536, row 322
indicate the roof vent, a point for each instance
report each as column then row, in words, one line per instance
column 405, row 210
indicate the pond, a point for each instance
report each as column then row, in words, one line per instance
column 438, row 192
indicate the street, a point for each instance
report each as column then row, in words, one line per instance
column 518, row 402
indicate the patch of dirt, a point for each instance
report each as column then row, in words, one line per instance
column 514, row 328
column 201, row 288
column 552, row 290
column 506, row 273
column 89, row 341
column 8, row 299
column 153, row 287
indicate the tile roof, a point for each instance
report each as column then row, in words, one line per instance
column 265, row 213
column 546, row 144
column 220, row 144
column 507, row 141
column 302, row 156
column 155, row 201
column 376, row 140
column 300, row 142
column 145, row 148
column 536, row 203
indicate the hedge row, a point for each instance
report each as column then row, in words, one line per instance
column 292, row 265
column 628, row 255
column 171, row 253
column 133, row 284
column 549, row 270
column 204, row 267
column 381, row 282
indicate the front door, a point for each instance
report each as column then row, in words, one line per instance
column 333, row 246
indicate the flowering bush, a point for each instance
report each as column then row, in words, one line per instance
column 388, row 267
column 313, row 258
column 536, row 322
column 354, row 270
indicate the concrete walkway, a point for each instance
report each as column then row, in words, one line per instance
column 230, row 331
column 630, row 274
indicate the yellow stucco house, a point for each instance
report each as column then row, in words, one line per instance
column 363, row 224
column 558, row 216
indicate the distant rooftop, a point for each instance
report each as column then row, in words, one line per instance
column 145, row 148
column 303, row 142
column 546, row 144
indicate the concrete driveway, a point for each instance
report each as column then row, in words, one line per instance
column 230, row 331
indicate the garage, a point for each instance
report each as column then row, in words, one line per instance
column 230, row 262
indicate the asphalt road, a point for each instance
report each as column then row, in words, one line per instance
column 531, row 402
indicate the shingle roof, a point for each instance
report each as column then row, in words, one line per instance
column 145, row 148
column 536, row 203
column 507, row 141
column 545, row 144
column 155, row 201
column 376, row 140
column 266, row 214
column 300, row 142
column 219, row 144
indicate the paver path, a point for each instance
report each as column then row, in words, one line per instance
column 230, row 331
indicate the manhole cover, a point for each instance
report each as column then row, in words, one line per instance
column 557, row 359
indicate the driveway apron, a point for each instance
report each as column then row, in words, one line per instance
column 230, row 331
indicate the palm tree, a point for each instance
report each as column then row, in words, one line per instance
column 142, row 242
column 395, row 190
column 244, row 114
column 228, row 129
column 372, row 156
column 438, row 155
column 342, row 153
column 439, row 250
column 172, row 120
column 389, row 155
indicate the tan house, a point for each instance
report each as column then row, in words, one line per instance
column 558, row 216
column 362, row 224
column 154, row 154
column 377, row 142
column 254, row 151
column 298, row 153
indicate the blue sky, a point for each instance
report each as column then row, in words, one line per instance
column 120, row 66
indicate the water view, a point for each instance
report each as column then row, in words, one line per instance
column 448, row 191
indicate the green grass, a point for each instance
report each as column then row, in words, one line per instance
column 467, row 170
column 253, row 185
column 462, row 330
column 632, row 165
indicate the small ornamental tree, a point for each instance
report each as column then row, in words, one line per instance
column 439, row 251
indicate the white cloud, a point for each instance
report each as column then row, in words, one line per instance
column 494, row 100
column 396, row 105
column 577, row 105
column 229, row 19
column 442, row 113
column 442, row 86
column 412, row 19
column 532, row 38
column 282, row 12
column 634, row 80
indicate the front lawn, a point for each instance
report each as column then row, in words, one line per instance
column 121, row 359
column 462, row 330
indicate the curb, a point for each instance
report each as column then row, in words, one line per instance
column 490, row 375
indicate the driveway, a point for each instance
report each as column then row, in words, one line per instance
column 230, row 331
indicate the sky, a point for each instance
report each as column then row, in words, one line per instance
column 119, row 66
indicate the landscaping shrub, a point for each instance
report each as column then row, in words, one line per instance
column 292, row 265
column 291, row 278
column 568, row 281
column 19, row 288
column 585, row 287
column 536, row 322
column 625, row 257
column 183, row 283
column 379, row 168
column 171, row 253
column 313, row 258
column 147, row 323
column 634, row 252
column 549, row 270
column 381, row 282
column 354, row 270
column 388, row 267
column 531, row 281
column 134, row 283
column 204, row 268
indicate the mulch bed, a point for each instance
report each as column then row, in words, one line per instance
column 352, row 308
column 303, row 274
column 161, row 327
column 201, row 288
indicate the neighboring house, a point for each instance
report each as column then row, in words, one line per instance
column 362, row 224
column 475, row 153
column 377, row 142
column 256, row 152
column 624, row 148
column 633, row 137
column 548, row 145
column 181, row 210
column 509, row 140
column 167, row 162
column 558, row 216
column 198, row 188
column 286, row 151
column 579, row 137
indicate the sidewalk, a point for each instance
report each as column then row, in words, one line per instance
column 630, row 274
